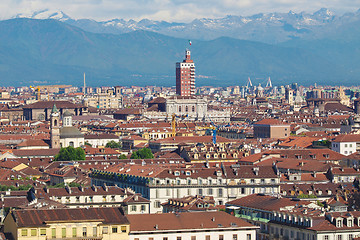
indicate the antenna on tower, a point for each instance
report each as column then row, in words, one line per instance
column 268, row 83
column 249, row 83
column 84, row 89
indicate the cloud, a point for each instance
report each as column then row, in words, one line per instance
column 170, row 10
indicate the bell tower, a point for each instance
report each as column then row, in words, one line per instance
column 55, row 128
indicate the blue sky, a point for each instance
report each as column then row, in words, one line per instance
column 170, row 10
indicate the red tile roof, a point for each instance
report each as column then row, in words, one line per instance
column 185, row 221
column 37, row 218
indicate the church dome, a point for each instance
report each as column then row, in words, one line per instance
column 70, row 132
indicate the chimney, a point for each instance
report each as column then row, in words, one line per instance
column 213, row 219
column 68, row 189
column 156, row 227
column 256, row 170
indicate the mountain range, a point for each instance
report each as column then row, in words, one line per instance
column 263, row 27
column 52, row 48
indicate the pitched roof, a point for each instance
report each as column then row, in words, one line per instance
column 270, row 122
column 184, row 221
column 265, row 202
column 347, row 138
column 50, row 105
column 37, row 217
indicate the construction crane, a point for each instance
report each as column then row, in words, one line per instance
column 46, row 88
column 215, row 127
column 173, row 122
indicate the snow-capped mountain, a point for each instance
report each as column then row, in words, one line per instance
column 45, row 14
column 263, row 27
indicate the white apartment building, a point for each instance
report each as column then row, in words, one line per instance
column 159, row 183
column 346, row 144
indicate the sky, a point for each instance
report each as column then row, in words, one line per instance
column 170, row 10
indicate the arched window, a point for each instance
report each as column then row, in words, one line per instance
column 179, row 108
column 186, row 109
column 193, row 108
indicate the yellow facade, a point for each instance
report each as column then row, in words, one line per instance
column 91, row 229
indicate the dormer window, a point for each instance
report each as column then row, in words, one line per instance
column 207, row 155
column 298, row 156
column 326, row 156
column 187, row 173
column 177, row 173
column 223, row 155
column 339, row 223
column 215, row 155
column 235, row 155
column 196, row 156
column 350, row 222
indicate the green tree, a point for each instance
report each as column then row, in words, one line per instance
column 70, row 154
column 87, row 144
column 144, row 153
column 113, row 144
column 122, row 156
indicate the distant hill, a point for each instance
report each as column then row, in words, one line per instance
column 52, row 52
column 262, row 27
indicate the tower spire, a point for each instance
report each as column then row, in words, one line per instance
column 84, row 89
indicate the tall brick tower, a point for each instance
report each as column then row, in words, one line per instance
column 55, row 128
column 185, row 76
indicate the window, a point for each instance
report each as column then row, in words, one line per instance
column 105, row 230
column 74, row 232
column 63, row 232
column 207, row 237
column 221, row 237
column 94, row 231
column 165, row 238
column 338, row 223
column 33, row 232
column 178, row 238
column 123, row 229
column 84, row 231
column 248, row 236
column 133, row 208
column 53, row 232
column 42, row 232
column 114, row 230
column 200, row 192
column 193, row 237
column 220, row 192
column 210, row 191
column 350, row 237
column 339, row 237
column 234, row 236
column 151, row 238
column 143, row 208
column 24, row 232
